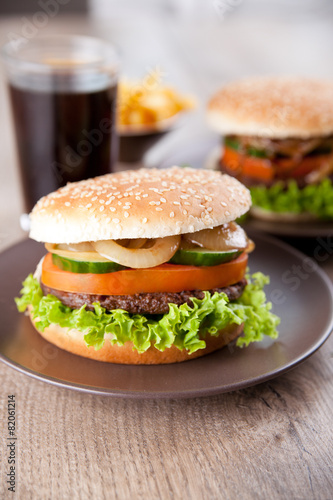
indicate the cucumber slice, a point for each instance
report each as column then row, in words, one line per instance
column 83, row 267
column 203, row 257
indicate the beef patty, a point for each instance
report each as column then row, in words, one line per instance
column 140, row 303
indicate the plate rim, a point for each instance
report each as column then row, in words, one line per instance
column 190, row 393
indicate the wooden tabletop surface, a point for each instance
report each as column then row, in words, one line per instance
column 272, row 441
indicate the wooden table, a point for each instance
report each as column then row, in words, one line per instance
column 272, row 441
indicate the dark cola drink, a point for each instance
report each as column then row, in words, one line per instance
column 64, row 119
column 62, row 137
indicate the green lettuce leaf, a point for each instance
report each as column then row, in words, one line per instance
column 179, row 327
column 316, row 199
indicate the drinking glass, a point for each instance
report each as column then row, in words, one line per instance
column 63, row 97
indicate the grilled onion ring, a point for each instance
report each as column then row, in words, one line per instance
column 221, row 238
column 73, row 252
column 161, row 250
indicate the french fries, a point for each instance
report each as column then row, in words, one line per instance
column 148, row 102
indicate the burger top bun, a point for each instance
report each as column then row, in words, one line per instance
column 277, row 107
column 145, row 203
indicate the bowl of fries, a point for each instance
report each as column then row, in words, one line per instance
column 146, row 111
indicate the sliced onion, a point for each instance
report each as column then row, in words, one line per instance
column 161, row 251
column 91, row 256
column 77, row 247
column 250, row 246
column 226, row 237
column 137, row 243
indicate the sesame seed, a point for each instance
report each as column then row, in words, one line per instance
column 94, row 198
column 152, row 203
column 101, row 201
column 163, row 200
column 137, row 198
column 159, row 209
column 144, row 220
column 116, row 221
column 88, row 205
column 185, row 212
column 224, row 204
column 227, row 213
column 101, row 208
column 176, row 203
column 209, row 209
column 67, row 203
column 120, row 203
column 113, row 209
column 172, row 214
column 144, row 196
column 126, row 214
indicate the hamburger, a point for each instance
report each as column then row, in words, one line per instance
column 278, row 141
column 146, row 267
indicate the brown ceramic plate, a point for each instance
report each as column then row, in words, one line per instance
column 304, row 305
column 206, row 155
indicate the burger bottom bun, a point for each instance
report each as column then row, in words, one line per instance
column 73, row 341
column 268, row 215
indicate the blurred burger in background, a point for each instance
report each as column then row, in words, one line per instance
column 278, row 141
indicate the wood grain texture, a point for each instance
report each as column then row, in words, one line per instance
column 270, row 441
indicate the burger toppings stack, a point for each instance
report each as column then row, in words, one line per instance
column 146, row 267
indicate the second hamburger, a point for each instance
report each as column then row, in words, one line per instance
column 278, row 141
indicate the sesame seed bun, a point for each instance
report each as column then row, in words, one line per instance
column 277, row 107
column 73, row 341
column 144, row 203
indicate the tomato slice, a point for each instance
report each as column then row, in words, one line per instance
column 232, row 159
column 265, row 170
column 308, row 164
column 164, row 278
column 251, row 166
column 259, row 168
